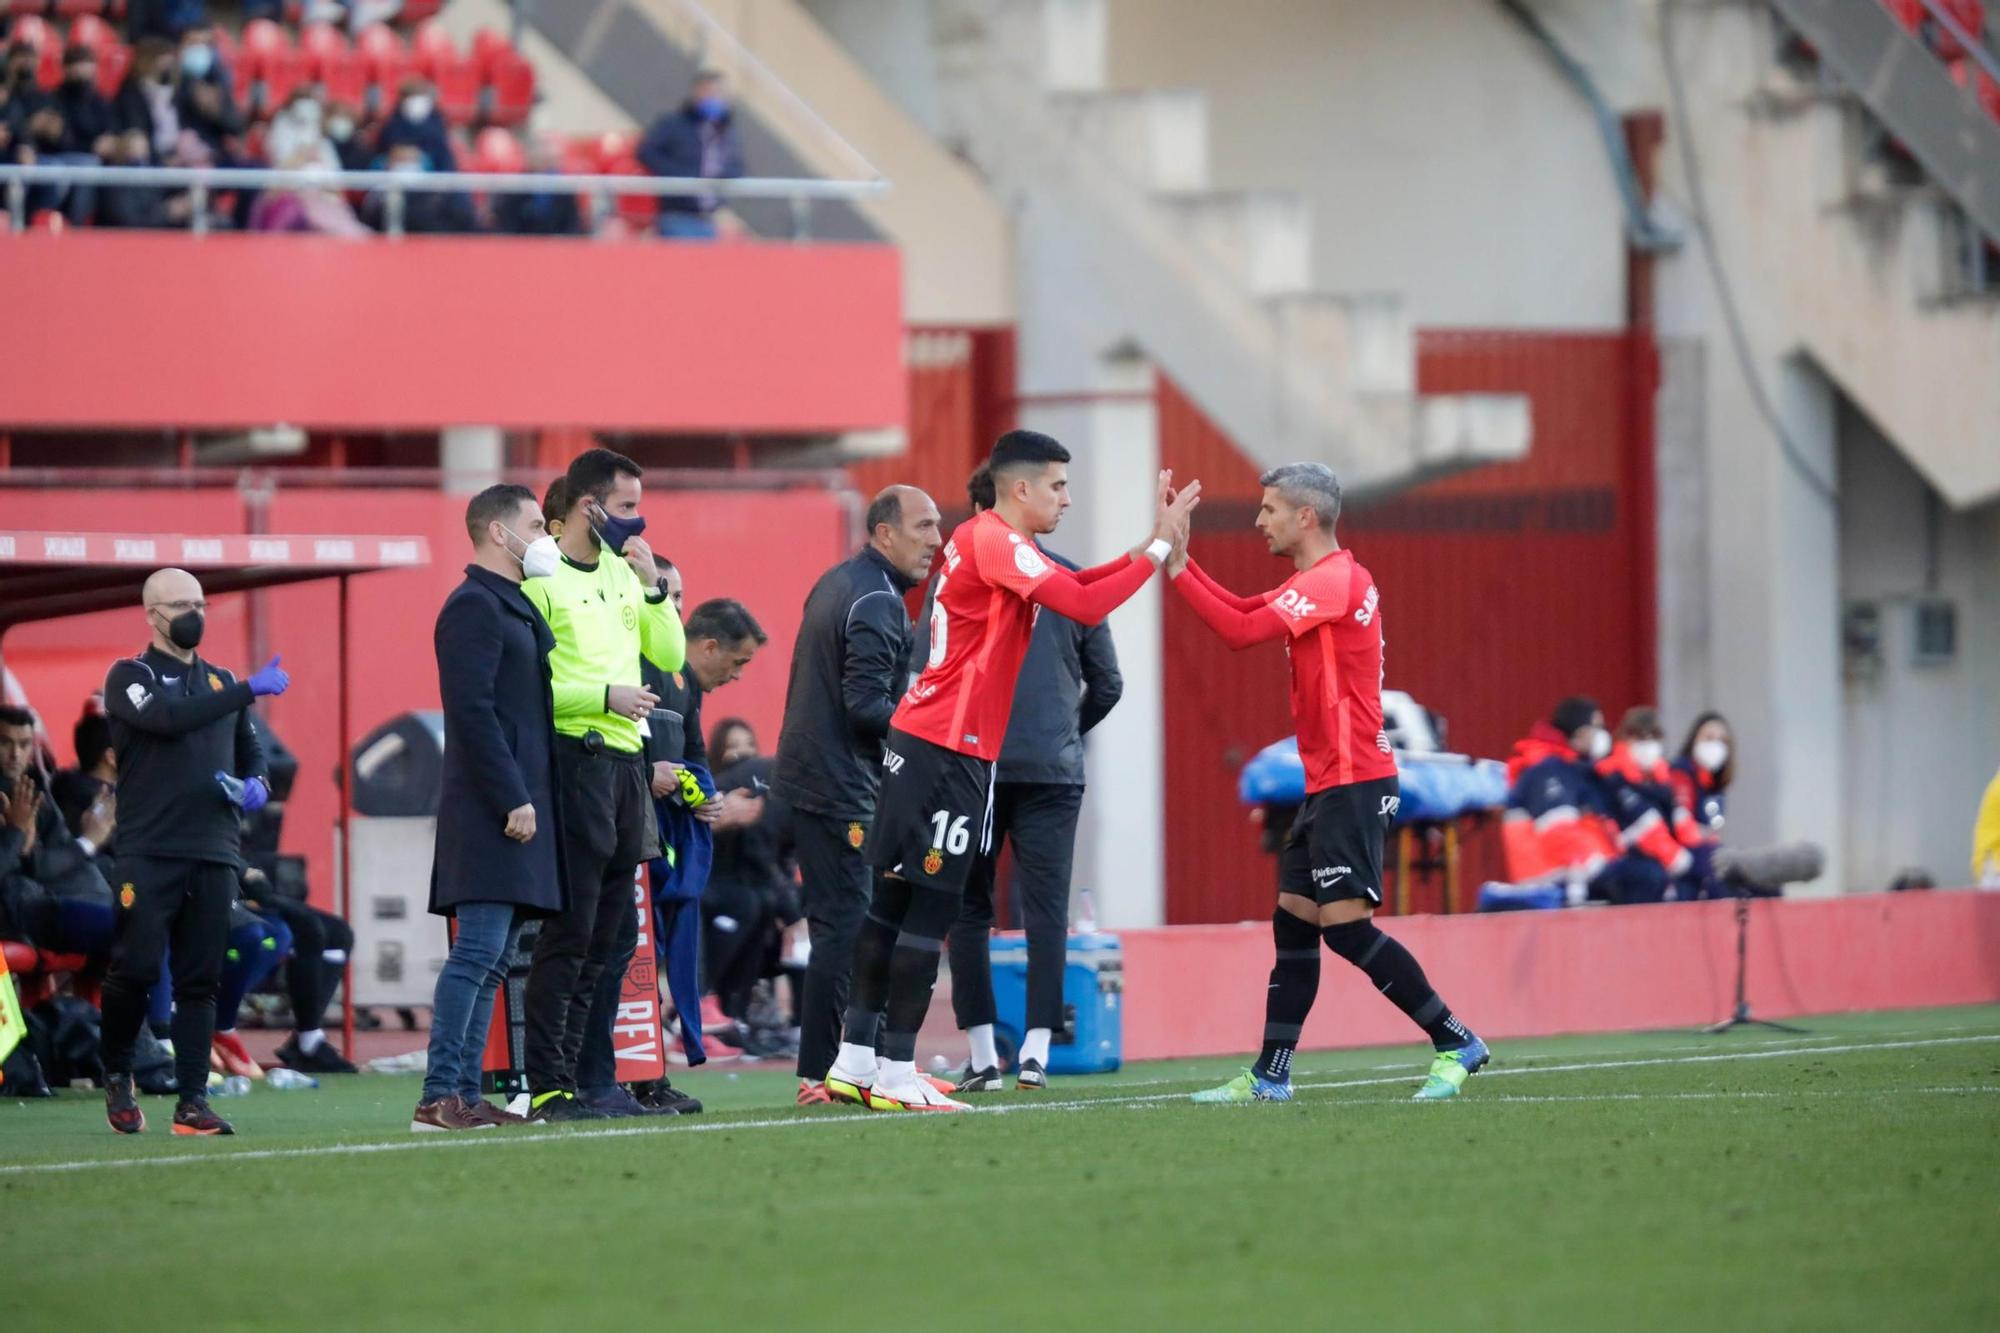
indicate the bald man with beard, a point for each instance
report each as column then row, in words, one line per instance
column 189, row 767
column 849, row 670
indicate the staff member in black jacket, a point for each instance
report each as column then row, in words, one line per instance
column 189, row 767
column 499, row 833
column 849, row 669
column 1069, row 682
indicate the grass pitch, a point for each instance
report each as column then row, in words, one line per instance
column 1846, row 1179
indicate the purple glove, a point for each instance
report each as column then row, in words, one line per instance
column 247, row 794
column 269, row 679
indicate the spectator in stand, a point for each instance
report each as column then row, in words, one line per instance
column 343, row 131
column 147, row 99
column 140, row 206
column 1557, row 828
column 1703, row 771
column 88, row 122
column 545, row 214
column 165, row 19
column 432, row 211
column 295, row 141
column 418, row 122
column 38, row 133
column 205, row 101
column 1666, row 852
column 697, row 139
column 20, row 94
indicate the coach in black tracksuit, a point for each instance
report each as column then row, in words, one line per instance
column 849, row 670
column 189, row 766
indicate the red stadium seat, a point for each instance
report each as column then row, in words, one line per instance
column 379, row 42
column 32, row 29
column 430, row 46
column 416, row 11
column 112, row 63
column 458, row 91
column 498, row 152
column 72, row 8
column 488, row 46
column 48, row 67
column 513, row 85
column 1909, row 13
column 346, row 78
column 322, row 44
column 26, row 9
column 618, row 155
column 265, row 35
column 283, row 71
column 91, row 31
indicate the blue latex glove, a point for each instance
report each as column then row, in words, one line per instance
column 247, row 794
column 269, row 679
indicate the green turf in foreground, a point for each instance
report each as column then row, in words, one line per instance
column 1844, row 1180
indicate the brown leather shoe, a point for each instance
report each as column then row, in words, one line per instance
column 488, row 1114
column 447, row 1112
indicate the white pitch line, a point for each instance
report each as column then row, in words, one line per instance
column 515, row 1138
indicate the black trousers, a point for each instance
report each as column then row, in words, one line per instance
column 1039, row 818
column 597, row 1058
column 608, row 830
column 162, row 903
column 835, row 881
column 309, row 975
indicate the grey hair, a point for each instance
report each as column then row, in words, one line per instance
column 1309, row 486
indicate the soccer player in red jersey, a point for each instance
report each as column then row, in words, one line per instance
column 936, row 809
column 1329, row 616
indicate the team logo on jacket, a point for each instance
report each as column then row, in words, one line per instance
column 630, row 615
column 1028, row 561
column 933, row 861
column 125, row 896
column 856, row 835
column 214, row 682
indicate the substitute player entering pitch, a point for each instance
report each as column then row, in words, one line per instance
column 935, row 818
column 1330, row 871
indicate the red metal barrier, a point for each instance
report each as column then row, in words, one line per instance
column 1534, row 974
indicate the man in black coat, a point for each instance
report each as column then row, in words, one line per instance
column 849, row 670
column 499, row 847
column 695, row 140
column 1069, row 682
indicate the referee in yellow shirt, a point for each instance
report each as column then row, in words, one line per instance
column 607, row 604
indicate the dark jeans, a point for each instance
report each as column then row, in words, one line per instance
column 1039, row 819
column 608, row 830
column 835, row 883
column 597, row 1063
column 184, row 904
column 462, row 1008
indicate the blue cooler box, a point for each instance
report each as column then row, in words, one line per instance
column 1093, row 988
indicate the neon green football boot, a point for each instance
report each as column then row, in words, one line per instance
column 1246, row 1087
column 1450, row 1069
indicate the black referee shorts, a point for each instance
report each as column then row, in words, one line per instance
column 935, row 816
column 1334, row 850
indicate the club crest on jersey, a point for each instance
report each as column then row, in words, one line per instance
column 125, row 896
column 1028, row 560
column 933, row 860
column 1295, row 604
column 856, row 835
column 214, row 682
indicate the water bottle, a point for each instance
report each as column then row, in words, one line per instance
column 1086, row 913
column 289, row 1080
column 236, row 1085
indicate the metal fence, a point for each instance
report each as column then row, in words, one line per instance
column 203, row 184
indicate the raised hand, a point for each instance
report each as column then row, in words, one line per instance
column 640, row 556
column 270, row 679
column 1170, row 524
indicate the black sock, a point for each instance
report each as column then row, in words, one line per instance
column 873, row 945
column 1397, row 974
column 1294, row 984
column 913, row 969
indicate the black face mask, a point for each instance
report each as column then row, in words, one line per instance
column 185, row 630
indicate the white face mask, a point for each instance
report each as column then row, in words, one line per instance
column 542, row 558
column 1711, row 755
column 1647, row 753
column 416, row 108
column 1600, row 743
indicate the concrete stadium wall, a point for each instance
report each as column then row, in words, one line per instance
column 1536, row 974
column 1444, row 158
